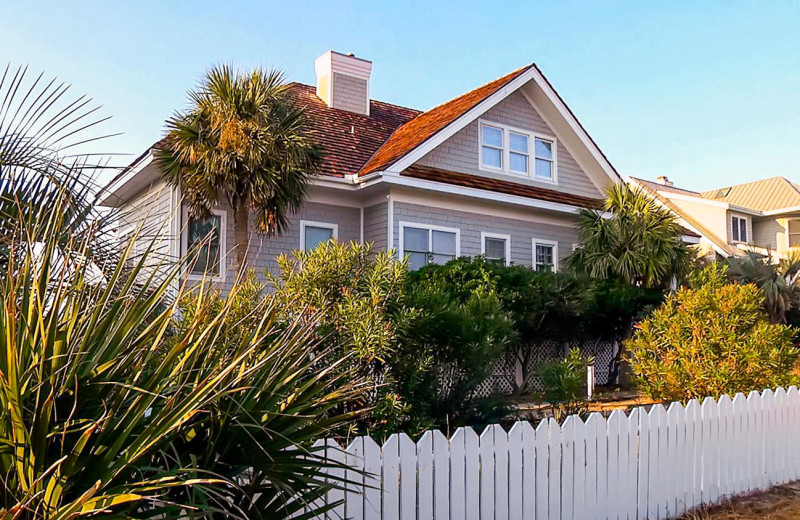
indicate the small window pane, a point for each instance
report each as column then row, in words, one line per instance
column 441, row 259
column 544, row 149
column 492, row 157
column 519, row 143
column 495, row 249
column 416, row 260
column 544, row 257
column 415, row 239
column 207, row 232
column 794, row 240
column 794, row 226
column 743, row 229
column 518, row 162
column 544, row 169
column 316, row 235
column 492, row 136
column 444, row 242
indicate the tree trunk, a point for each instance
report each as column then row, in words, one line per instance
column 241, row 231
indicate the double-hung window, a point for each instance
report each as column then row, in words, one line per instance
column 738, row 229
column 424, row 244
column 496, row 248
column 206, row 238
column 313, row 234
column 545, row 255
column 515, row 151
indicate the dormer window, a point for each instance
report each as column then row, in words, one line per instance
column 517, row 152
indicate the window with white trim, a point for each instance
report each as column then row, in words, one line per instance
column 738, row 229
column 496, row 248
column 208, row 237
column 545, row 255
column 515, row 151
column 313, row 234
column 794, row 233
column 424, row 244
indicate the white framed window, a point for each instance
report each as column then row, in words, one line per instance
column 426, row 244
column 313, row 233
column 794, row 232
column 496, row 247
column 516, row 151
column 738, row 229
column 212, row 233
column 545, row 255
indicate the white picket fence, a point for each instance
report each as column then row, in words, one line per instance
column 647, row 464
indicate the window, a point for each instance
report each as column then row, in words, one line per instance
column 313, row 234
column 208, row 236
column 495, row 248
column 545, row 255
column 544, row 158
column 738, row 229
column 794, row 233
column 427, row 244
column 517, row 152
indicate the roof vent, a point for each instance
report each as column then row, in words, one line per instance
column 662, row 179
column 343, row 81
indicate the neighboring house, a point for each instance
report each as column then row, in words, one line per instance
column 761, row 216
column 502, row 170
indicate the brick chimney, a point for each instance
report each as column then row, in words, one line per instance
column 343, row 81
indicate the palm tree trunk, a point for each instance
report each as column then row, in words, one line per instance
column 241, row 232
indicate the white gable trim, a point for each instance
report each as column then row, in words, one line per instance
column 487, row 104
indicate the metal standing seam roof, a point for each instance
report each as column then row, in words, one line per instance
column 764, row 195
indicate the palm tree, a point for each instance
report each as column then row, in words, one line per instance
column 777, row 281
column 243, row 139
column 632, row 239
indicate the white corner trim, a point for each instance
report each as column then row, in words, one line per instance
column 223, row 244
column 505, row 150
column 390, row 224
column 361, row 225
column 430, row 227
column 323, row 225
column 541, row 241
column 507, row 238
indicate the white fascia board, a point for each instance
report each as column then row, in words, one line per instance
column 781, row 211
column 707, row 202
column 479, row 194
column 451, row 129
column 110, row 191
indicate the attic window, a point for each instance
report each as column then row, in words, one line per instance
column 720, row 194
column 518, row 152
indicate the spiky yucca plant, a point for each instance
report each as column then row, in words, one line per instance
column 111, row 402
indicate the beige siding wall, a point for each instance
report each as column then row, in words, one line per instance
column 349, row 93
column 376, row 224
column 460, row 152
column 714, row 218
column 729, row 224
column 770, row 233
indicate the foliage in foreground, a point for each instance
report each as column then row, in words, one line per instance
column 110, row 403
column 777, row 281
column 711, row 339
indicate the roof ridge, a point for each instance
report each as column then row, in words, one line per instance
column 299, row 83
column 748, row 183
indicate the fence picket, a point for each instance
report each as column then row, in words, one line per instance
column 579, row 463
column 458, row 482
column 500, row 472
column 554, row 469
column 542, row 454
column 487, row 473
column 740, row 444
column 594, row 474
column 676, row 426
column 568, row 467
column 725, row 457
column 516, row 479
column 354, row 498
column 779, row 449
column 655, row 482
column 472, row 465
column 644, row 450
column 372, row 478
column 528, row 471
column 335, row 454
column 408, row 477
column 768, row 400
column 757, row 441
column 793, row 397
column 425, row 475
column 390, row 486
column 441, row 476
column 631, row 494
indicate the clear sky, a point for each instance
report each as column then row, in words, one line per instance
column 707, row 93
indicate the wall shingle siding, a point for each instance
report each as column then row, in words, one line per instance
column 376, row 225
column 349, row 93
column 472, row 224
column 460, row 152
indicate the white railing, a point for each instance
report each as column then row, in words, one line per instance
column 646, row 464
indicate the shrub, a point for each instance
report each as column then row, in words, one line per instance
column 709, row 340
column 564, row 382
column 354, row 298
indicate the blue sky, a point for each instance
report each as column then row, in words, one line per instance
column 706, row 93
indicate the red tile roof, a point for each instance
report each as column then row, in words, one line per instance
column 499, row 186
column 349, row 139
column 426, row 125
